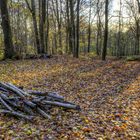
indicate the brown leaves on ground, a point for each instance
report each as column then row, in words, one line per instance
column 108, row 93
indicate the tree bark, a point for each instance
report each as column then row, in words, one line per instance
column 9, row 48
column 104, row 52
column 42, row 20
column 138, row 6
column 35, row 26
column 89, row 29
column 72, row 35
column 32, row 9
column 77, row 30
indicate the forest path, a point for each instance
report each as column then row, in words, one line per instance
column 108, row 93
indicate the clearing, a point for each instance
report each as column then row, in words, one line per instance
column 107, row 92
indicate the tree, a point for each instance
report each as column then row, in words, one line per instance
column 47, row 27
column 32, row 9
column 104, row 52
column 42, row 21
column 58, row 14
column 119, row 48
column 138, row 1
column 73, row 26
column 89, row 28
column 72, row 18
column 99, row 27
column 77, row 30
column 134, row 15
column 9, row 48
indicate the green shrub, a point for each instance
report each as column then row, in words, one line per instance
column 133, row 58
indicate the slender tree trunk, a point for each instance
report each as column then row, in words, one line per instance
column 98, row 42
column 9, row 49
column 42, row 20
column 137, row 37
column 35, row 26
column 89, row 29
column 60, row 28
column 104, row 52
column 26, row 36
column 32, row 9
column 67, row 27
column 138, row 1
column 99, row 35
column 119, row 48
column 72, row 26
column 47, row 28
column 77, row 30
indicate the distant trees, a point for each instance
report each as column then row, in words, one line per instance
column 9, row 48
column 32, row 9
column 75, row 26
column 39, row 28
column 134, row 24
column 70, row 26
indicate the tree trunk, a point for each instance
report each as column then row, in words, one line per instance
column 137, row 36
column 32, row 9
column 72, row 35
column 119, row 52
column 9, row 48
column 104, row 52
column 42, row 20
column 99, row 32
column 89, row 29
column 47, row 28
column 77, row 30
column 35, row 26
column 138, row 6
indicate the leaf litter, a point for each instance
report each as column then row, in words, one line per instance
column 108, row 93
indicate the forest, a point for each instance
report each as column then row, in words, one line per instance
column 70, row 69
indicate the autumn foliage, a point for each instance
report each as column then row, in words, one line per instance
column 108, row 93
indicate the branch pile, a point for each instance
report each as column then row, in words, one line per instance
column 28, row 104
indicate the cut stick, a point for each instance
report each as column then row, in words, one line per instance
column 4, row 97
column 17, row 114
column 2, row 89
column 18, row 89
column 11, row 89
column 18, row 92
column 50, row 94
column 28, row 110
column 55, row 95
column 29, row 103
column 37, row 100
column 69, row 106
column 43, row 113
column 5, row 104
column 17, row 104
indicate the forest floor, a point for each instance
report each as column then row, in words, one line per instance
column 108, row 93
